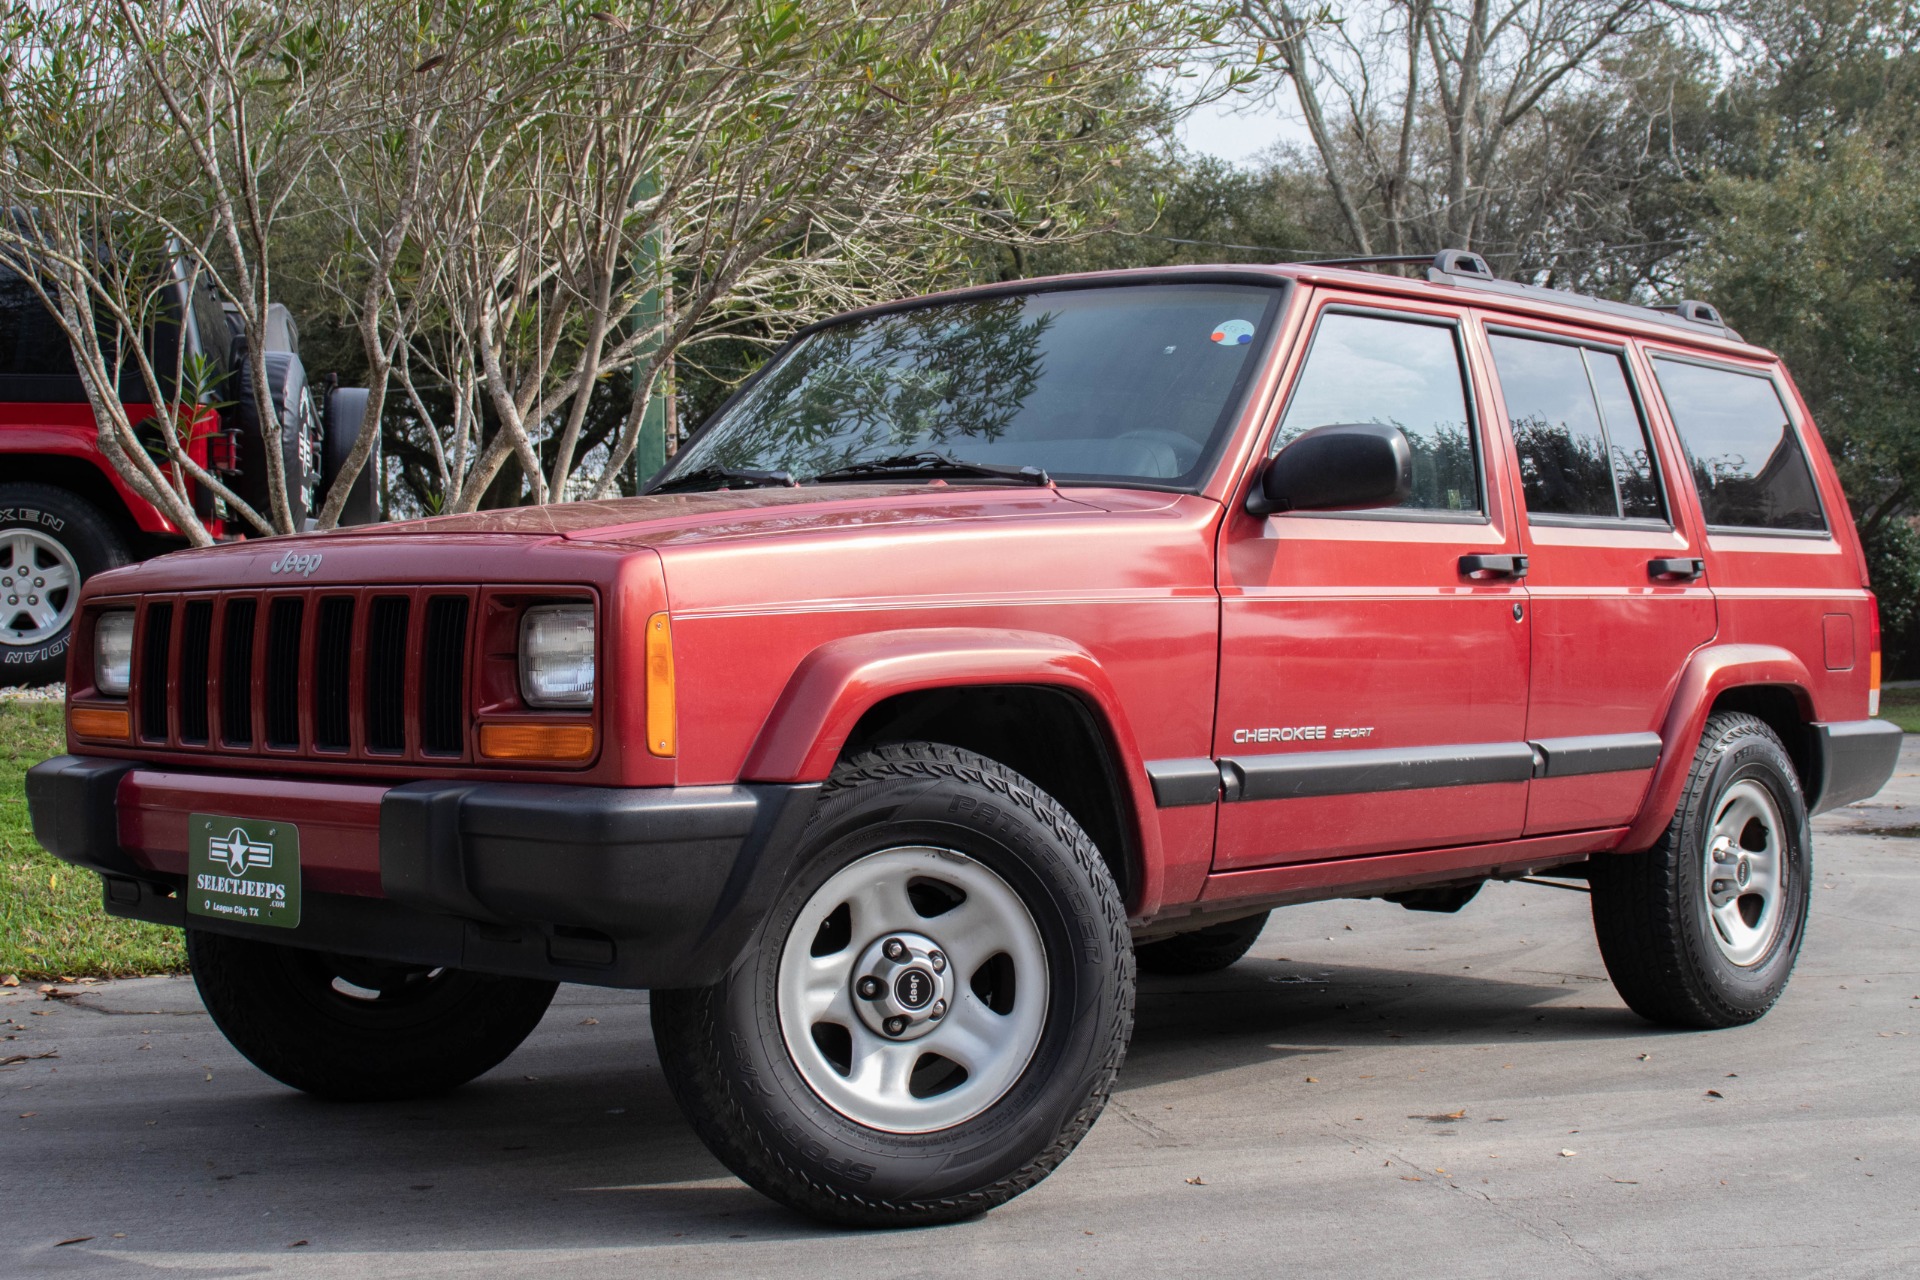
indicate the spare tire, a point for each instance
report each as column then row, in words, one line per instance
column 346, row 410
column 301, row 437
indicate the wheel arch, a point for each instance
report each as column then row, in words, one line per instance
column 1766, row 681
column 1039, row 704
column 85, row 480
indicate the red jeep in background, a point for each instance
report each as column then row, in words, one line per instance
column 66, row 514
column 978, row 647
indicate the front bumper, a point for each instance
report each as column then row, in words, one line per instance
column 621, row 887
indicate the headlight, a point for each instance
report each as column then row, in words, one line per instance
column 556, row 656
column 113, row 652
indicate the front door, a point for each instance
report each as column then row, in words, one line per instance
column 1619, row 592
column 1373, row 666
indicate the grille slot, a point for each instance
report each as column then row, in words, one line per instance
column 443, row 682
column 153, row 673
column 386, row 674
column 283, row 673
column 332, row 674
column 196, row 654
column 236, row 674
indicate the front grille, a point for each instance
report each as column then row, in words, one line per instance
column 327, row 673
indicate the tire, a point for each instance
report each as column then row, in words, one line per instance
column 1040, row 957
column 1207, row 950
column 47, row 535
column 424, row 1033
column 346, row 410
column 301, row 438
column 1687, row 948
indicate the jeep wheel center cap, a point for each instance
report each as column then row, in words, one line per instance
column 902, row 985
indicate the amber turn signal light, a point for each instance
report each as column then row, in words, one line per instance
column 661, row 740
column 536, row 741
column 101, row 722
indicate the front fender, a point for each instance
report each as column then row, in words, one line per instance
column 1709, row 673
column 843, row 679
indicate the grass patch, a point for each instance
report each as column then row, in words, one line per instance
column 1902, row 706
column 51, row 921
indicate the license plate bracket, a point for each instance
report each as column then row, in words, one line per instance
column 246, row 870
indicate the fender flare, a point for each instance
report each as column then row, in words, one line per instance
column 1709, row 673
column 837, row 683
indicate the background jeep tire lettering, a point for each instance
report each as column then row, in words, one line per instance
column 48, row 527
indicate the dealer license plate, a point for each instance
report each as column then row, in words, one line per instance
column 243, row 869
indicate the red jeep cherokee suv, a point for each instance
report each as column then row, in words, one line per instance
column 981, row 647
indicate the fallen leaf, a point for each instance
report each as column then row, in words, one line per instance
column 1313, row 1080
column 27, row 1057
column 297, row 1244
column 28, row 1115
column 11, row 980
column 1566, row 1152
column 1625, row 1182
column 1715, row 1093
column 74, row 1240
column 1410, row 1178
column 55, row 993
column 1196, row 1182
column 589, row 1022
column 1733, row 1075
column 1645, row 1056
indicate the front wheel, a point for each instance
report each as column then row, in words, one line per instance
column 931, row 1017
column 358, row 1030
column 1703, row 929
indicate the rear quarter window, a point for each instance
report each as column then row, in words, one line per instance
column 1746, row 459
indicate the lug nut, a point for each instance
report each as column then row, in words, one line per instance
column 938, row 961
column 894, row 949
column 894, row 1025
column 938, row 1011
column 869, row 988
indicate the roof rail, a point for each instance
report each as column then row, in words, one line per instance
column 1468, row 269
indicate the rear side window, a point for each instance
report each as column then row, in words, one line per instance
column 1583, row 448
column 1406, row 374
column 33, row 349
column 1740, row 444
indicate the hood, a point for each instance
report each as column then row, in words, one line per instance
column 680, row 517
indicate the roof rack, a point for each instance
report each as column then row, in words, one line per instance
column 1462, row 267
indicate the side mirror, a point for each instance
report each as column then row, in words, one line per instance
column 1345, row 467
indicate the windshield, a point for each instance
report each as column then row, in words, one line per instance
column 1127, row 384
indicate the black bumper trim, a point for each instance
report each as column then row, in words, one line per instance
column 1856, row 757
column 622, row 887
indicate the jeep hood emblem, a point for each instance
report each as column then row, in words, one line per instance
column 304, row 565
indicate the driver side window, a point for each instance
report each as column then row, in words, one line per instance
column 1403, row 373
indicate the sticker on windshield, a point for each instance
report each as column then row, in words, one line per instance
column 1233, row 333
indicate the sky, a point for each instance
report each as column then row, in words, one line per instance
column 1237, row 136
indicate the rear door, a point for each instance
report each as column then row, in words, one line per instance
column 1373, row 680
column 1615, row 570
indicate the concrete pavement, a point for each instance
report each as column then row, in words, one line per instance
column 1374, row 1092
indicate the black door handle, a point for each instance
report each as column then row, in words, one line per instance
column 1683, row 569
column 1495, row 566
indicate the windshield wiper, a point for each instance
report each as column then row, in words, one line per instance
column 727, row 478
column 930, row 463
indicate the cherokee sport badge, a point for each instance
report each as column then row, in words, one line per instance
column 243, row 869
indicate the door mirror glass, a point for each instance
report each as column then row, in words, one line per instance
column 1344, row 467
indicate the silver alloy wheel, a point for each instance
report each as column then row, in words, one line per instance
column 1745, row 873
column 912, row 989
column 39, row 586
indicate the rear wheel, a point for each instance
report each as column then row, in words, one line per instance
column 51, row 541
column 931, row 1017
column 360, row 1030
column 1207, row 950
column 1703, row 929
